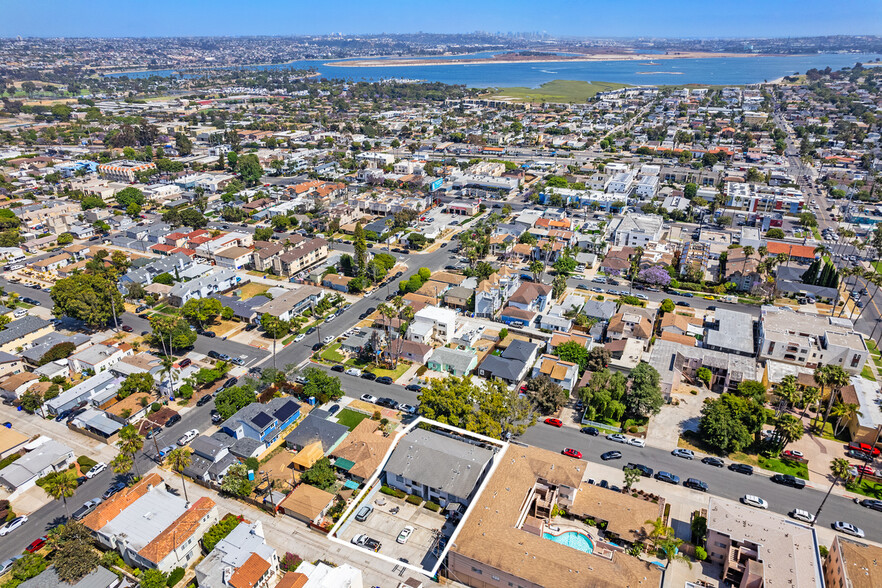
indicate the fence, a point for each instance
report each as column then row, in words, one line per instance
column 597, row 425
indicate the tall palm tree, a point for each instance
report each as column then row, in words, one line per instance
column 839, row 467
column 787, row 430
column 787, row 391
column 837, row 379
column 178, row 459
column 809, row 397
column 844, row 413
column 62, row 485
column 659, row 530
column 122, row 463
column 130, row 442
column 668, row 550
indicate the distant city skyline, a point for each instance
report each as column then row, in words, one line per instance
column 587, row 18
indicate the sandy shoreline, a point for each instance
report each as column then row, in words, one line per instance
column 510, row 58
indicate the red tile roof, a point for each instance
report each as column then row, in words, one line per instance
column 178, row 532
column 250, row 572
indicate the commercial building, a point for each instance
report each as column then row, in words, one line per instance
column 636, row 230
column 124, row 170
column 853, row 564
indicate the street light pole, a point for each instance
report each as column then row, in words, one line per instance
column 826, row 496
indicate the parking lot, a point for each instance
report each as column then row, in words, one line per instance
column 384, row 526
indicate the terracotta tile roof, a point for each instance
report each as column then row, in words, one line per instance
column 250, row 572
column 804, row 251
column 364, row 447
column 293, row 580
column 558, row 338
column 111, row 508
column 684, row 339
column 178, row 532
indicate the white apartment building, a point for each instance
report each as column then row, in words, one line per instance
column 621, row 183
column 636, row 230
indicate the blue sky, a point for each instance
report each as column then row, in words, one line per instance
column 590, row 18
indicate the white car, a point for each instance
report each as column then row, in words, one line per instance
column 328, row 339
column 404, row 534
column 354, row 372
column 407, row 408
column 636, row 442
column 840, row 526
column 330, row 318
column 617, row 437
column 188, row 436
column 96, row 469
column 802, row 515
column 369, row 398
column 684, row 453
column 13, row 525
column 299, row 337
column 754, row 501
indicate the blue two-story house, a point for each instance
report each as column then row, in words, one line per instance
column 263, row 422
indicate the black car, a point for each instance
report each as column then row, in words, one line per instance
column 667, row 477
column 153, row 432
column 333, row 410
column 413, row 388
column 229, row 383
column 741, row 468
column 713, row 461
column 384, row 380
column 141, row 308
column 213, row 354
column 62, row 415
column 318, row 346
column 337, row 368
column 695, row 484
column 870, row 503
column 787, row 480
column 114, row 488
column 863, row 456
column 611, row 455
column 646, row 472
column 682, row 303
column 204, row 400
column 368, row 376
column 387, row 402
column 250, row 327
column 209, row 334
column 591, row 431
column 310, row 330
column 175, row 418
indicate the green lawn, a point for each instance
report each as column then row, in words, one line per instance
column 394, row 374
column 332, row 354
column 558, row 91
column 867, row 488
column 350, row 418
column 877, row 265
column 867, row 373
column 784, row 466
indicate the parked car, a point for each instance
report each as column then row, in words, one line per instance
column 570, row 452
column 127, row 328
column 617, row 437
column 230, row 383
column 695, row 484
column 299, row 338
column 385, row 380
column 188, row 436
column 754, row 501
column 37, row 544
column 859, row 455
column 407, row 408
column 166, row 450
column 96, row 469
column 12, row 525
column 870, row 503
column 216, row 417
column 590, row 431
column 318, row 346
column 363, row 513
column 388, row 403
column 405, row 533
column 611, row 455
column 788, row 480
column 414, row 388
column 369, row 376
column 333, row 409
column 741, row 468
column 327, row 340
column 338, row 368
column 173, row 420
column 205, row 399
column 667, row 477
column 185, row 362
column 353, row 372
column 840, row 526
column 865, row 470
column 6, row 565
column 713, row 461
column 793, row 454
column 684, row 453
column 554, row 422
column 87, row 507
column 864, row 448
column 645, row 471
column 636, row 442
column 802, row 515
column 114, row 488
column 214, row 354
column 682, row 303
column 369, row 398
column 365, row 541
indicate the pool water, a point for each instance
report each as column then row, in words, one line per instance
column 572, row 539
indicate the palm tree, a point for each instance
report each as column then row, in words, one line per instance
column 62, row 485
column 130, row 443
column 809, row 397
column 659, row 530
column 786, row 390
column 668, row 550
column 178, row 459
column 787, row 430
column 122, row 463
column 844, row 413
column 837, row 379
column 839, row 467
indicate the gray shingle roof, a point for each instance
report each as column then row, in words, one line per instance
column 21, row 328
column 313, row 429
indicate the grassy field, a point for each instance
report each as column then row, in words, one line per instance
column 867, row 488
column 253, row 289
column 350, row 418
column 331, row 353
column 558, row 91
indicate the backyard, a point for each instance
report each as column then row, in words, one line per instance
column 350, row 418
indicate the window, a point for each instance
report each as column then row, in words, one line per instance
column 855, row 360
column 477, row 571
column 494, row 578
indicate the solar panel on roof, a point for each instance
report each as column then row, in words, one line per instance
column 286, row 410
column 261, row 419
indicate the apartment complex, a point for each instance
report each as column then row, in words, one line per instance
column 124, row 170
column 853, row 564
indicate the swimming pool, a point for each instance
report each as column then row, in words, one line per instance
column 572, row 539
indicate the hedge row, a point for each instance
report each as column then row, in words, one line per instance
column 388, row 491
column 432, row 506
column 414, row 499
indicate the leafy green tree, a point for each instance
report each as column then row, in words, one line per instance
column 130, row 195
column 752, row 389
column 667, row 305
column 359, row 244
column 603, row 396
column 171, row 332
column 263, row 234
column 775, row 233
column 565, row 265
column 193, row 218
column 201, row 310
column 236, row 481
column 153, row 579
column 690, row 191
column 58, row 351
column 704, row 374
column 75, row 556
column 321, row 474
column 321, row 385
column 573, row 352
column 644, row 398
column 632, row 476
column 598, row 359
column 250, row 169
column 547, row 395
column 31, row 401
column 65, row 239
column 138, row 383
column 90, row 298
column 164, row 278
column 228, row 402
column 274, row 327
column 219, row 531
column 29, row 566
column 729, row 422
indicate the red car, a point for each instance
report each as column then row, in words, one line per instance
column 127, row 328
column 572, row 453
column 39, row 543
column 793, row 454
column 865, row 447
column 553, row 422
column 865, row 470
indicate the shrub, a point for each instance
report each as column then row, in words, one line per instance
column 822, row 549
column 86, row 463
column 389, row 491
column 700, row 553
column 176, row 575
column 432, row 506
column 155, row 407
column 218, row 531
column 290, row 562
column 414, row 499
column 8, row 460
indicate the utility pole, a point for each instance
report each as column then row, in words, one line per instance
column 269, row 488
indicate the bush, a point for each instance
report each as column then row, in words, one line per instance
column 9, row 459
column 632, row 429
column 389, row 491
column 290, row 562
column 414, row 499
column 176, row 575
column 86, row 463
column 155, row 407
column 432, row 506
column 218, row 531
column 700, row 553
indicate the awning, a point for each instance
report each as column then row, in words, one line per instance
column 344, row 464
column 351, row 485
